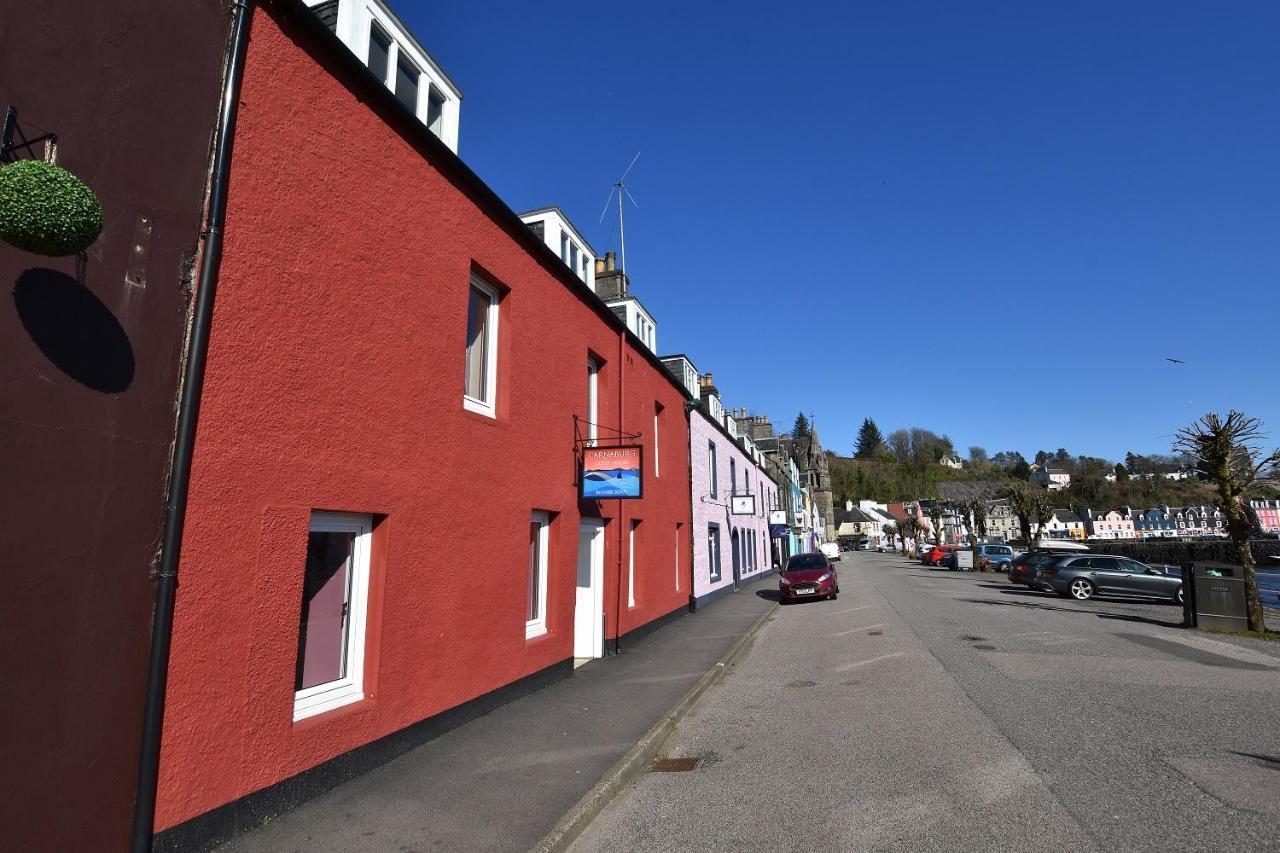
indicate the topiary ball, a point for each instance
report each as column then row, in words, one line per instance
column 47, row 210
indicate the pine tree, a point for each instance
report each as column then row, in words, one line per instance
column 870, row 442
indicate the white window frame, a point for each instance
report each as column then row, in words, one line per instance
column 678, row 529
column 537, row 626
column 631, row 565
column 657, row 469
column 487, row 406
column 320, row 698
column 593, row 402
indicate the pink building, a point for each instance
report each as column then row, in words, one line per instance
column 732, row 496
column 1112, row 524
column 1268, row 513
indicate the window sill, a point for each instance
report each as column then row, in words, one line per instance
column 338, row 696
column 533, row 630
column 479, row 407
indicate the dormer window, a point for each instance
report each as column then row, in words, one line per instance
column 379, row 52
column 435, row 110
column 407, row 84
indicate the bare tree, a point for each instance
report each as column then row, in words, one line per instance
column 1031, row 505
column 908, row 527
column 935, row 516
column 977, row 510
column 1228, row 453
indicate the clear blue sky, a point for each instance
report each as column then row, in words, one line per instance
column 918, row 212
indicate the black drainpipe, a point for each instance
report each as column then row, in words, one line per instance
column 184, row 442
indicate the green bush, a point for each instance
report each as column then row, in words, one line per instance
column 47, row 210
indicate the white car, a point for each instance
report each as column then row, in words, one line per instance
column 830, row 550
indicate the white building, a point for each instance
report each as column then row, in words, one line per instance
column 395, row 56
column 951, row 462
column 1052, row 479
column 551, row 226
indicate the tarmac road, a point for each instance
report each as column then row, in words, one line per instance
column 951, row 711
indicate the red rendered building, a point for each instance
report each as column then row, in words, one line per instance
column 384, row 522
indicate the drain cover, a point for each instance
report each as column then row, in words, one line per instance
column 985, row 648
column 800, row 684
column 970, row 638
column 673, row 765
column 874, row 633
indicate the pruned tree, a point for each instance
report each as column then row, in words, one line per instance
column 1228, row 453
column 1031, row 505
column 977, row 509
column 935, row 516
column 890, row 531
column 908, row 528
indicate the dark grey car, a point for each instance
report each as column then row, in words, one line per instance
column 1084, row 576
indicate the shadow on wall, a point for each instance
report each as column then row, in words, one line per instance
column 74, row 330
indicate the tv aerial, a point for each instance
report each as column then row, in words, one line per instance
column 620, row 189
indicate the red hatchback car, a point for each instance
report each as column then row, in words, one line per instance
column 808, row 576
column 931, row 557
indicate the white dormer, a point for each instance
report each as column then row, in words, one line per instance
column 552, row 227
column 680, row 367
column 395, row 56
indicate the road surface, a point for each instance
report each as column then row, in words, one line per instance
column 951, row 711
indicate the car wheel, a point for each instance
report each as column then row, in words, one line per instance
column 834, row 595
column 1081, row 589
column 1177, row 596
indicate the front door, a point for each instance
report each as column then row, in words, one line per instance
column 588, row 613
column 737, row 559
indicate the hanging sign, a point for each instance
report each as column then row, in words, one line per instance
column 778, row 524
column 744, row 504
column 611, row 473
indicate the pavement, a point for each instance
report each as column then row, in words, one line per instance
column 952, row 711
column 503, row 781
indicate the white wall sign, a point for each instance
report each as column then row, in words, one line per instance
column 744, row 504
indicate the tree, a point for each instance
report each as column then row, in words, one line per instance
column 1122, row 473
column 908, row 528
column 978, row 456
column 1042, row 458
column 1021, row 469
column 1031, row 505
column 935, row 516
column 870, row 442
column 1227, row 453
column 977, row 509
column 801, row 430
column 890, row 531
column 900, row 446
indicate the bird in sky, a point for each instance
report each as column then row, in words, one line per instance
column 1175, row 360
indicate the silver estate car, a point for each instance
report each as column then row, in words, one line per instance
column 1083, row 576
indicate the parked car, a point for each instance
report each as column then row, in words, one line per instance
column 830, row 550
column 1022, row 569
column 808, row 576
column 1083, row 577
column 888, row 549
column 932, row 556
column 998, row 556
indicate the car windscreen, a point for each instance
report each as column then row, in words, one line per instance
column 800, row 562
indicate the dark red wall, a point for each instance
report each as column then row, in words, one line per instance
column 88, row 378
column 335, row 382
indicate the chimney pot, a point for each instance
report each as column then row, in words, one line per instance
column 610, row 261
column 599, row 265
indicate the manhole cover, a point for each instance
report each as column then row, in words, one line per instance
column 800, row 683
column 970, row 638
column 985, row 648
column 874, row 633
column 673, row 765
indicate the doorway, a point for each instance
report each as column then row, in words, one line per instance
column 588, row 613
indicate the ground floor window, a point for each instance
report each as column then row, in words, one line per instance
column 713, row 551
column 335, row 600
column 535, row 623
